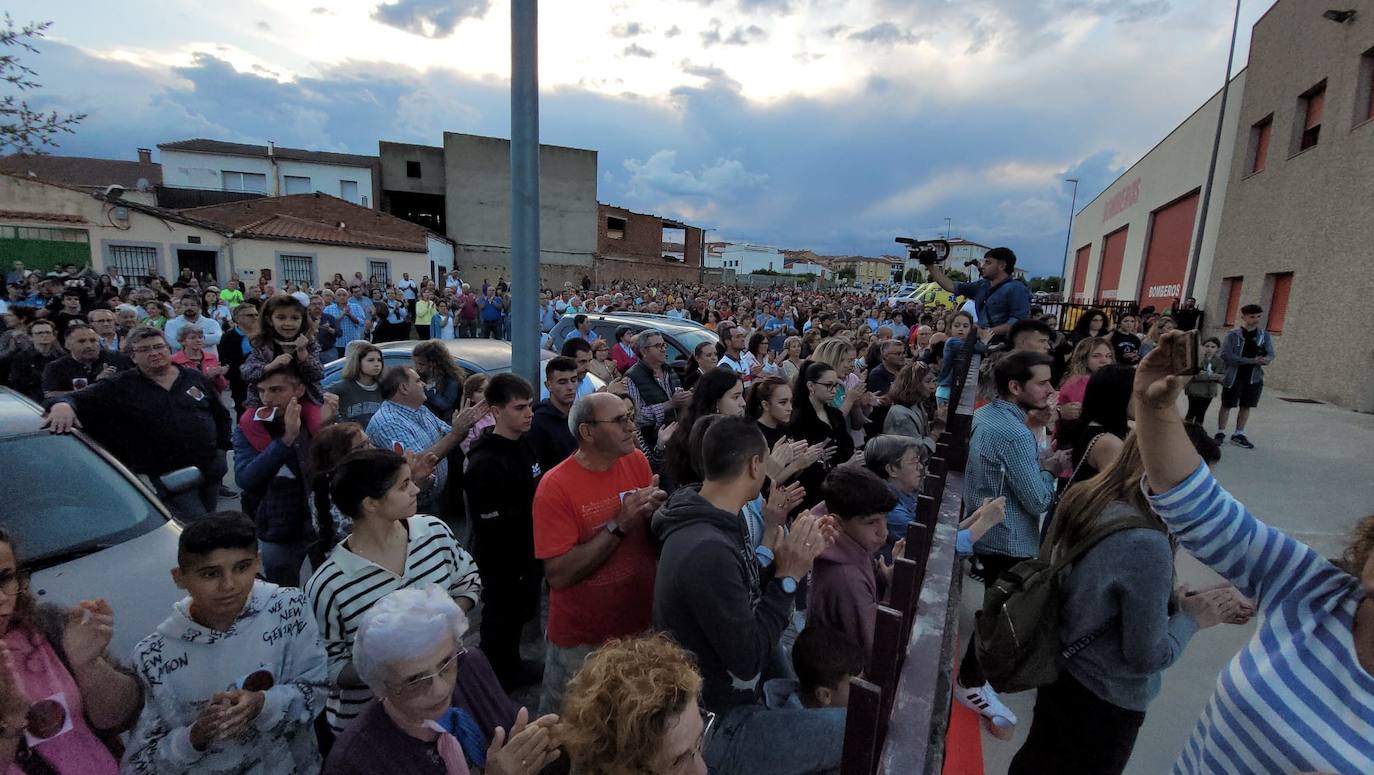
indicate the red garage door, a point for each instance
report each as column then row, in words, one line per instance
column 1080, row 272
column 1109, row 273
column 1166, row 257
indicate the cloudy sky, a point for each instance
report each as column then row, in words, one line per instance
column 813, row 124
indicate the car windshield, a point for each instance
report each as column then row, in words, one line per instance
column 690, row 338
column 86, row 505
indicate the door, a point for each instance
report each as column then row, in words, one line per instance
column 200, row 262
column 1166, row 257
column 1109, row 273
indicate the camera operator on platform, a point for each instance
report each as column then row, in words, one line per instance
column 1000, row 300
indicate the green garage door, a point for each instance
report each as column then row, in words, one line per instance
column 43, row 249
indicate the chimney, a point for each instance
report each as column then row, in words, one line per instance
column 145, row 155
column 271, row 148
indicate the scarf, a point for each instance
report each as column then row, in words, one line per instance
column 457, row 737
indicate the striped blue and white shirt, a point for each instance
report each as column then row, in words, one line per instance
column 1295, row 699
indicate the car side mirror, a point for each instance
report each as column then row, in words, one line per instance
column 181, row 480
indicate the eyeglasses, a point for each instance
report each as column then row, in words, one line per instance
column 708, row 720
column 419, row 684
column 659, row 346
column 627, row 420
column 10, row 583
column 152, row 348
column 827, row 385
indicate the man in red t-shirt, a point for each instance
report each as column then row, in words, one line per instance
column 590, row 529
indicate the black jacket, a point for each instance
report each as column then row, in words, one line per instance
column 500, row 480
column 712, row 597
column 231, row 354
column 549, row 435
column 807, row 427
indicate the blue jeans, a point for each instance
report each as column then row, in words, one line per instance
column 281, row 563
column 560, row 665
column 752, row 740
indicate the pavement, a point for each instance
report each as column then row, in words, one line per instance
column 1309, row 475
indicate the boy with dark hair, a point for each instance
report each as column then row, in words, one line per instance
column 824, row 661
column 234, row 678
column 503, row 472
column 549, row 432
column 1247, row 349
column 849, row 581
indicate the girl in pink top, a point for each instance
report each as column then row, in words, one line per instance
column 194, row 355
column 1088, row 356
column 57, row 686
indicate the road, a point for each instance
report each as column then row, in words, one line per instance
column 1310, row 476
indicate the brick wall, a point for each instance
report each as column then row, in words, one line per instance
column 643, row 237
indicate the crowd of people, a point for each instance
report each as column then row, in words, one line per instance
column 713, row 543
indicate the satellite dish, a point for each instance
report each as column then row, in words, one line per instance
column 143, row 186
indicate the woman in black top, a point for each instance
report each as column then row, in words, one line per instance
column 1125, row 340
column 1104, row 422
column 704, row 358
column 816, row 420
column 719, row 391
column 1091, row 323
column 770, row 402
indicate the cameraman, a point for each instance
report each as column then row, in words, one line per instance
column 999, row 300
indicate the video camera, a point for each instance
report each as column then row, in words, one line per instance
column 926, row 252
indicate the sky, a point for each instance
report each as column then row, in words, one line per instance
column 805, row 124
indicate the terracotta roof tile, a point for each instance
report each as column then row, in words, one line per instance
column 22, row 215
column 317, row 207
column 288, row 227
column 82, row 170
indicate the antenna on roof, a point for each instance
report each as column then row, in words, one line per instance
column 143, row 186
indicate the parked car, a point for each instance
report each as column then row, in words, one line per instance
column 474, row 356
column 681, row 336
column 929, row 294
column 84, row 525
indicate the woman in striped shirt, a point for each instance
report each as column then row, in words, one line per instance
column 391, row 547
column 1300, row 696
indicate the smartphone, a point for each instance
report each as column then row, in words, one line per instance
column 265, row 414
column 1186, row 357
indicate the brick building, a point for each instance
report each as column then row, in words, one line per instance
column 642, row 247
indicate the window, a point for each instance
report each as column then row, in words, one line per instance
column 1230, row 297
column 244, row 181
column 379, row 270
column 136, row 262
column 299, row 270
column 1364, row 96
column 348, row 190
column 412, row 169
column 1259, row 143
column 615, row 228
column 1279, row 285
column 296, row 184
column 43, row 233
column 1310, row 107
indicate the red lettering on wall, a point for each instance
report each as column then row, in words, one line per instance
column 1122, row 200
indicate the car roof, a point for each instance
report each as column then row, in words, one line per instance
column 18, row 415
column 490, row 355
column 644, row 319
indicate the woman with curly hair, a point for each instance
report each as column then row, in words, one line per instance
column 442, row 375
column 632, row 708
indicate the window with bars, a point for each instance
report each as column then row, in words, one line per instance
column 299, row 270
column 380, row 271
column 138, row 263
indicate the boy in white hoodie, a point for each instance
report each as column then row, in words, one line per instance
column 234, row 678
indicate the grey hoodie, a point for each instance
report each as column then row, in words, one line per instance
column 710, row 597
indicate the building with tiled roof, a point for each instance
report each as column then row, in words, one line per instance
column 271, row 170
column 87, row 172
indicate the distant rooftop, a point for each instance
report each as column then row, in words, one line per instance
column 83, row 171
column 201, row 145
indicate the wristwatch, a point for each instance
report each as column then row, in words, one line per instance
column 615, row 529
column 789, row 585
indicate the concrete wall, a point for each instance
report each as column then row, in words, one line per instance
column 607, row 270
column 478, row 205
column 1308, row 213
column 1171, row 170
column 394, row 157
column 259, row 253
column 203, row 170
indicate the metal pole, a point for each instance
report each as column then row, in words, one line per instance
column 524, row 184
column 1212, row 164
column 1064, row 267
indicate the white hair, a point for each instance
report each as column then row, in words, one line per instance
column 406, row 624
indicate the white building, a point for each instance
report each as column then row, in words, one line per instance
column 268, row 169
column 745, row 257
column 1136, row 239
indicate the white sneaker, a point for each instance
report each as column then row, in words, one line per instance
column 985, row 702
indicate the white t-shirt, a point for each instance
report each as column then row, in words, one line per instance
column 407, row 289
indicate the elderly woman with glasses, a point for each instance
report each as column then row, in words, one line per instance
column 439, row 709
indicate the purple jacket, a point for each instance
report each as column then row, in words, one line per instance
column 844, row 592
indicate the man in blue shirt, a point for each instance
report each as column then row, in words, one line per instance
column 353, row 321
column 999, row 299
column 1005, row 461
column 491, row 309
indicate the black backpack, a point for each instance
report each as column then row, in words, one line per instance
column 1017, row 632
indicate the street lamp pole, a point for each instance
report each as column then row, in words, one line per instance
column 1212, row 164
column 949, row 225
column 1068, row 235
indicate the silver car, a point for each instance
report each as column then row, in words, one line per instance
column 84, row 526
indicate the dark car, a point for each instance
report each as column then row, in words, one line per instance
column 84, row 526
column 474, row 356
column 681, row 336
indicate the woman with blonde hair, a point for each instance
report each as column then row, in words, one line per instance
column 792, row 358
column 602, row 365
column 1089, row 355
column 851, row 396
column 633, row 708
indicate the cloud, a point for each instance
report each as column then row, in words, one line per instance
column 628, row 30
column 836, row 30
column 430, row 18
column 320, row 10
column 806, row 57
column 673, row 32
column 262, row 25
column 768, row 6
column 884, row 34
column 739, row 36
column 636, row 50
column 658, row 175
